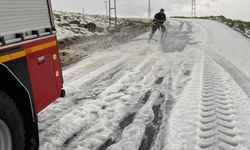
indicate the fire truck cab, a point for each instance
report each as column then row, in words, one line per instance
column 30, row 70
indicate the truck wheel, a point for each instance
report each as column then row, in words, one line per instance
column 12, row 133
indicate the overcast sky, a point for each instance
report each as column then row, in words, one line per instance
column 236, row 9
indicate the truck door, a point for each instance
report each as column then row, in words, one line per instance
column 43, row 79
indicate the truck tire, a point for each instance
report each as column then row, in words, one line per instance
column 11, row 125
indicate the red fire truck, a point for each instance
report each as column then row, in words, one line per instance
column 30, row 70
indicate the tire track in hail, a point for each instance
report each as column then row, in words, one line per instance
column 162, row 104
column 65, row 107
column 153, row 128
column 156, row 108
column 217, row 128
column 139, row 74
column 128, row 119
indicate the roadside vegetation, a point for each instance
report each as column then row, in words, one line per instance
column 80, row 35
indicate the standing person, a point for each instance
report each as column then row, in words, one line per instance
column 158, row 22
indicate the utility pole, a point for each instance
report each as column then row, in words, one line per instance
column 193, row 13
column 115, row 13
column 106, row 14
column 110, row 13
column 114, row 9
column 149, row 9
column 83, row 13
column 106, row 6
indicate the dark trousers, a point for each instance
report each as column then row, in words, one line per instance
column 158, row 26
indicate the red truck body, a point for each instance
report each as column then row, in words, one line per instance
column 45, row 78
column 30, row 68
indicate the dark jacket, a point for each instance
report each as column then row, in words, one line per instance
column 160, row 17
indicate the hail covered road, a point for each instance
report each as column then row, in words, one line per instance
column 190, row 92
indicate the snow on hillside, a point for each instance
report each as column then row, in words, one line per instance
column 69, row 24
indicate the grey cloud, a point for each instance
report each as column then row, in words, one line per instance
column 138, row 8
column 207, row 5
